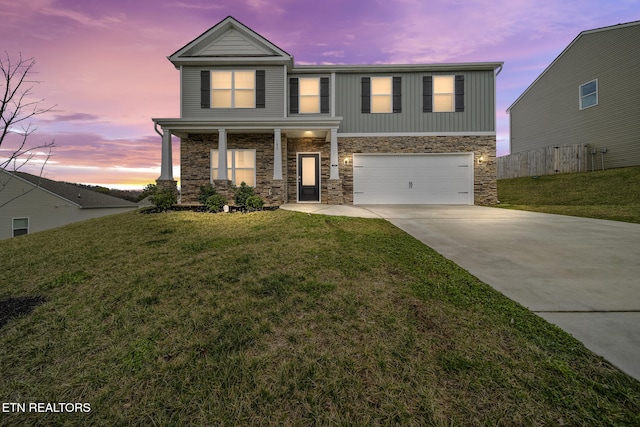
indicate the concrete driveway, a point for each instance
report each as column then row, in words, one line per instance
column 580, row 274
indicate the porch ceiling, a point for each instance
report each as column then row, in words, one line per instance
column 293, row 126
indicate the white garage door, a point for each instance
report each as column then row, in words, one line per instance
column 438, row 179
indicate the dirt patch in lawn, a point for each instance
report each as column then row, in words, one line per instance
column 14, row 307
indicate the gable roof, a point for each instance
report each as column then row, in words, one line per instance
column 80, row 196
column 583, row 33
column 229, row 41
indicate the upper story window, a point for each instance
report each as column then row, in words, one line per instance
column 309, row 95
column 233, row 89
column 381, row 94
column 442, row 94
column 589, row 94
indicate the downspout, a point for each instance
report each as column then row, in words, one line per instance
column 155, row 127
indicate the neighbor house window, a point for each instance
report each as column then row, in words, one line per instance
column 233, row 89
column 241, row 166
column 20, row 226
column 589, row 94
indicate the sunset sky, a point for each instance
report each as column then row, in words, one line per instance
column 103, row 63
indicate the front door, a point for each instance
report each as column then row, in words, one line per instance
column 308, row 177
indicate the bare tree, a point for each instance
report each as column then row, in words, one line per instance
column 18, row 108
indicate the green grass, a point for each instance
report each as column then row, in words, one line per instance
column 611, row 194
column 281, row 318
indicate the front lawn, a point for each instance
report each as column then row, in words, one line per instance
column 281, row 318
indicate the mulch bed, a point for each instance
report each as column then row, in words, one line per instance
column 202, row 208
column 14, row 307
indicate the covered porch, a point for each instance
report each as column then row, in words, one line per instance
column 264, row 154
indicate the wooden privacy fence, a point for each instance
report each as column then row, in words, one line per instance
column 544, row 161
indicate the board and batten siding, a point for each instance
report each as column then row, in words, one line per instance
column 478, row 115
column 548, row 114
column 274, row 95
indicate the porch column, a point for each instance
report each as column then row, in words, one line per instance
column 277, row 154
column 222, row 154
column 334, row 155
column 166, row 165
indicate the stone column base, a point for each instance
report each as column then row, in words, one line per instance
column 335, row 195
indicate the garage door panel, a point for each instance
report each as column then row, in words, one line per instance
column 413, row 179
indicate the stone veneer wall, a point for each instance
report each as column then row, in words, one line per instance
column 195, row 152
column 485, row 186
column 195, row 158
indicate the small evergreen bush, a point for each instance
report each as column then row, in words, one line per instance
column 242, row 193
column 164, row 198
column 206, row 191
column 215, row 203
column 254, row 203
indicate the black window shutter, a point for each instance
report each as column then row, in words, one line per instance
column 397, row 94
column 260, row 89
column 366, row 95
column 459, row 94
column 324, row 95
column 427, row 94
column 293, row 96
column 205, row 89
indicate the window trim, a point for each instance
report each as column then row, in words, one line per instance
column 231, row 167
column 582, row 97
column 233, row 89
column 14, row 229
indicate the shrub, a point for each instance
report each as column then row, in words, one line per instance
column 242, row 193
column 254, row 203
column 164, row 198
column 215, row 203
column 206, row 191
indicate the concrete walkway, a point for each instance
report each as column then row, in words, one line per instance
column 578, row 273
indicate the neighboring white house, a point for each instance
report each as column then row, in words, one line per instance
column 30, row 203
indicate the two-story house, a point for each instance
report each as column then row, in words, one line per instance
column 588, row 95
column 337, row 134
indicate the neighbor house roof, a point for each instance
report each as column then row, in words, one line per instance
column 583, row 33
column 83, row 197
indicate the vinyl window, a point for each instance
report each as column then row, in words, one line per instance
column 309, row 95
column 20, row 226
column 589, row 94
column 381, row 95
column 241, row 166
column 233, row 89
column 443, row 94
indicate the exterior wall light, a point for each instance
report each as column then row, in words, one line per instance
column 481, row 159
column 346, row 160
